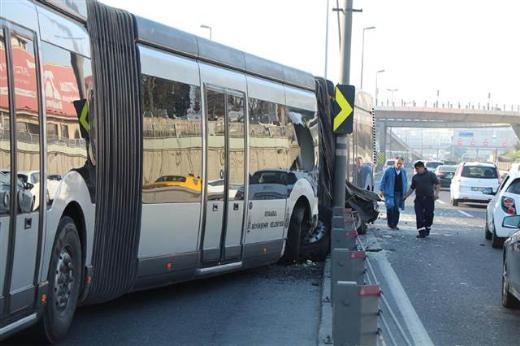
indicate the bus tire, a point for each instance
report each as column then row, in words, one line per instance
column 293, row 242
column 318, row 250
column 65, row 275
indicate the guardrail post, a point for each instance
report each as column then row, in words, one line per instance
column 347, row 265
column 344, row 233
column 355, row 314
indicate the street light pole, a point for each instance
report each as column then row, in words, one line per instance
column 204, row 26
column 363, row 52
column 392, row 92
column 326, row 39
column 377, row 90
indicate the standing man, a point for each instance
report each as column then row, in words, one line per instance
column 426, row 186
column 393, row 187
column 362, row 172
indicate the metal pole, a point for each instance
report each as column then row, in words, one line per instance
column 339, row 24
column 340, row 166
column 327, row 39
column 377, row 90
column 362, row 57
column 346, row 42
column 363, row 53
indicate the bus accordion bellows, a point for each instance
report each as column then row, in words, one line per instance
column 134, row 155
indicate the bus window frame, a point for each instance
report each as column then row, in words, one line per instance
column 9, row 29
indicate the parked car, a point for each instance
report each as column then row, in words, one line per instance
column 474, row 182
column 504, row 204
column 445, row 173
column 432, row 165
column 26, row 198
column 389, row 163
column 511, row 265
column 450, row 163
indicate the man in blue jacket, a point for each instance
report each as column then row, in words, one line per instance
column 393, row 188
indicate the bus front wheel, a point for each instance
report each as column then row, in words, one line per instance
column 65, row 274
column 294, row 234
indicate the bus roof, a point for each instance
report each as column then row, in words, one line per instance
column 190, row 45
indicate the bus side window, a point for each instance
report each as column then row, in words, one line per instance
column 5, row 135
column 172, row 163
column 27, row 122
column 67, row 78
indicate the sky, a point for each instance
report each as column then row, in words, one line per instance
column 464, row 49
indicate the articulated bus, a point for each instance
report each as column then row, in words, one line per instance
column 134, row 155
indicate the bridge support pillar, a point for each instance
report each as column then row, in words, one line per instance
column 516, row 128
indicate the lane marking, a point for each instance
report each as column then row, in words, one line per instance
column 464, row 213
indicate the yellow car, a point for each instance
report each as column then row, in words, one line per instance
column 189, row 182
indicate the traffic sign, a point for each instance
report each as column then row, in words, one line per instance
column 343, row 109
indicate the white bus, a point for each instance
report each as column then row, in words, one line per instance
column 160, row 157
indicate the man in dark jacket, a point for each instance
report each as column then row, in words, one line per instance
column 426, row 187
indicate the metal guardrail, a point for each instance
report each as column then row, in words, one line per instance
column 386, row 330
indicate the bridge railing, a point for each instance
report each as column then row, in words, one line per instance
column 451, row 106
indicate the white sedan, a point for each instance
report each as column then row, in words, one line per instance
column 504, row 204
column 474, row 182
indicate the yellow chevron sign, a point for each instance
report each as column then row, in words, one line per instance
column 83, row 118
column 343, row 117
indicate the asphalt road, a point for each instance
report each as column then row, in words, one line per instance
column 275, row 305
column 452, row 278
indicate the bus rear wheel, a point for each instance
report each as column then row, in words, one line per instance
column 65, row 274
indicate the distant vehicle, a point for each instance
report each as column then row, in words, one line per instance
column 511, row 265
column 503, row 205
column 474, row 182
column 389, row 163
column 189, row 182
column 450, row 163
column 432, row 165
column 23, row 190
column 445, row 173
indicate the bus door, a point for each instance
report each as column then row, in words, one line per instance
column 20, row 158
column 225, row 176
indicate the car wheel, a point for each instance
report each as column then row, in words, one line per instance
column 294, row 235
column 508, row 300
column 487, row 233
column 65, row 275
column 359, row 223
column 454, row 202
column 496, row 241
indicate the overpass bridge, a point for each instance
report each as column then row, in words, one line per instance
column 433, row 117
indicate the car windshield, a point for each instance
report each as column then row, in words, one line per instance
column 173, row 178
column 480, row 172
column 514, row 187
column 23, row 178
column 447, row 169
column 433, row 164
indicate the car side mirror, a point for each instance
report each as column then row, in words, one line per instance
column 28, row 186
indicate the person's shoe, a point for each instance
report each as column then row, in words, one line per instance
column 422, row 233
column 396, row 228
column 427, row 232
